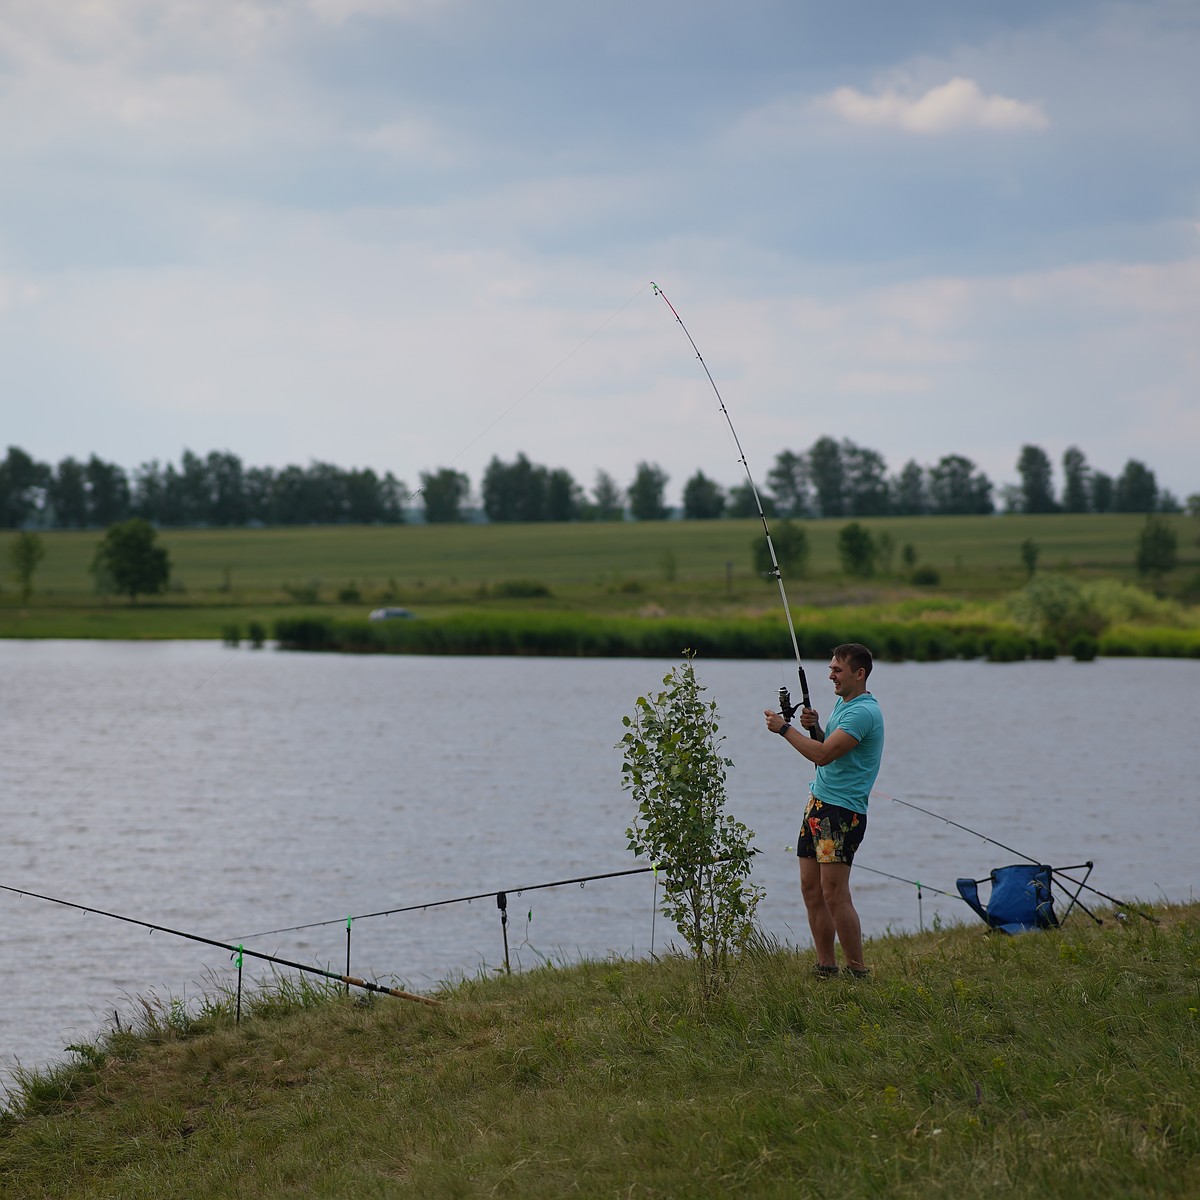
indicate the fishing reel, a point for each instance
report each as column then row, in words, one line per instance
column 786, row 707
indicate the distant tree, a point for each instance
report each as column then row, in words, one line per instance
column 789, row 484
column 909, row 555
column 1167, row 502
column 1136, row 489
column 1029, row 556
column 1012, row 498
column 910, row 492
column 259, row 490
column 393, row 495
column 68, row 495
column 1075, row 481
column 828, row 476
column 1037, row 485
column 129, row 558
column 1158, row 549
column 857, row 550
column 23, row 484
column 226, row 489
column 147, row 493
column 25, row 552
column 865, row 486
column 193, row 492
column 608, row 504
column 444, row 492
column 528, row 483
column 703, row 498
column 956, row 487
column 791, row 548
column 1193, row 505
column 1102, row 492
column 742, row 503
column 646, row 493
column 496, row 489
column 525, row 491
column 885, row 546
column 564, row 497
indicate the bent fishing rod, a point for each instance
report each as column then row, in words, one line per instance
column 1019, row 854
column 352, row 980
column 785, row 700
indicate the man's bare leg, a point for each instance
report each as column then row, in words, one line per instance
column 835, row 888
column 820, row 918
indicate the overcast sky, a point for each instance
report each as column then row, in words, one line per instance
column 408, row 234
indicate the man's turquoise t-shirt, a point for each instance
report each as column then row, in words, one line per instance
column 847, row 781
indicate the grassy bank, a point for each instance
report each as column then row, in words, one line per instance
column 1059, row 1064
column 694, row 571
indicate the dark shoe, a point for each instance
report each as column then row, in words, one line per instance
column 858, row 972
column 821, row 971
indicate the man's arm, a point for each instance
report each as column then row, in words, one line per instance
column 820, row 754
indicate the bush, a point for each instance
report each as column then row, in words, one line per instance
column 1043, row 648
column 1007, row 647
column 857, row 550
column 520, row 589
column 791, row 549
column 968, row 646
column 305, row 633
column 674, row 769
column 256, row 634
column 1056, row 607
column 1083, row 647
column 926, row 577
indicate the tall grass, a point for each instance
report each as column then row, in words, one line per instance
column 1054, row 1064
column 581, row 635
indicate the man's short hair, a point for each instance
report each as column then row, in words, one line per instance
column 856, row 655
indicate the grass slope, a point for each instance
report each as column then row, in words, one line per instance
column 695, row 569
column 1061, row 1064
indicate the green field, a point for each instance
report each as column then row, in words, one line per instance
column 689, row 568
column 1059, row 1064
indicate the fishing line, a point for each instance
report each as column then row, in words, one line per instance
column 529, row 392
column 121, row 754
column 784, row 699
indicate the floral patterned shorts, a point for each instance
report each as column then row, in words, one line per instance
column 830, row 833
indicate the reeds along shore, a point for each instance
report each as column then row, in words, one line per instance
column 578, row 635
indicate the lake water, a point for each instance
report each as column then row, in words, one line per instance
column 226, row 792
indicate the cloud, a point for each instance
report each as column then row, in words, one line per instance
column 412, row 140
column 948, row 108
column 338, row 11
column 883, row 383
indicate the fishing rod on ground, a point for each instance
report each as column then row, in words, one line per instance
column 238, row 950
column 1082, row 885
column 785, row 700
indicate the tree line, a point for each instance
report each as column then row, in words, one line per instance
column 216, row 490
column 830, row 478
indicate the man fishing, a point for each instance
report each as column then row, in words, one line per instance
column 847, row 754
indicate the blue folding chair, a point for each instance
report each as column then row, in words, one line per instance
column 1021, row 897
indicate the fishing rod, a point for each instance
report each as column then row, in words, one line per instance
column 233, row 950
column 1081, row 884
column 388, row 912
column 785, row 700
